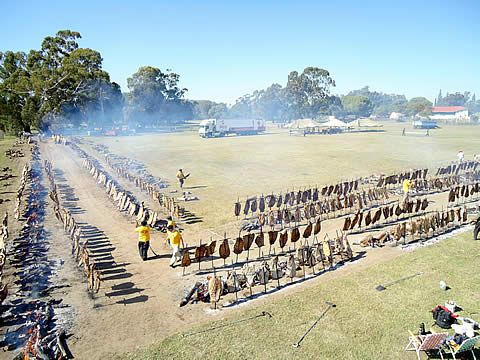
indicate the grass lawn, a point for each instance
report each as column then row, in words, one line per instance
column 225, row 169
column 366, row 324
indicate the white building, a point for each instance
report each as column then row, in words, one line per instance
column 451, row 114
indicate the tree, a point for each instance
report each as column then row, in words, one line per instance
column 308, row 93
column 218, row 111
column 383, row 103
column 272, row 104
column 243, row 107
column 418, row 105
column 51, row 85
column 13, row 91
column 439, row 99
column 456, row 99
column 357, row 105
column 62, row 74
column 155, row 95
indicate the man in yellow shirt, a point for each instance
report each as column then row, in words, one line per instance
column 143, row 239
column 174, row 239
column 406, row 189
column 181, row 177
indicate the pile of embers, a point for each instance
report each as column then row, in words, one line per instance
column 35, row 328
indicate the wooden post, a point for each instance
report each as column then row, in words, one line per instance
column 235, row 283
column 199, row 259
column 264, row 280
column 276, row 274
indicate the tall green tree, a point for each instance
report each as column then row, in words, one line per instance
column 14, row 93
column 272, row 104
column 308, row 93
column 154, row 96
column 62, row 74
column 54, row 84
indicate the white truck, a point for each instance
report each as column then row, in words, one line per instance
column 221, row 127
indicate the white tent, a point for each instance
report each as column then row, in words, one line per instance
column 333, row 122
column 365, row 122
column 302, row 124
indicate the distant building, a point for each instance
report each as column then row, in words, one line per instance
column 451, row 114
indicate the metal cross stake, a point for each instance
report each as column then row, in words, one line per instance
column 297, row 344
column 264, row 313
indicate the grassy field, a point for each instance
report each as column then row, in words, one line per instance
column 225, row 169
column 366, row 324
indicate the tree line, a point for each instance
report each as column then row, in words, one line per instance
column 301, row 99
column 63, row 85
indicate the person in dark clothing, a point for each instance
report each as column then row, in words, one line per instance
column 476, row 230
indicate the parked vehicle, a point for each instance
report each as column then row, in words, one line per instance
column 222, row 127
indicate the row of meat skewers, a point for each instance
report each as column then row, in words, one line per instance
column 79, row 250
column 124, row 200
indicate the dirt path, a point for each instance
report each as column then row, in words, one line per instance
column 138, row 302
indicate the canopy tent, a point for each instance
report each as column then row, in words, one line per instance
column 333, row 122
column 302, row 124
column 365, row 122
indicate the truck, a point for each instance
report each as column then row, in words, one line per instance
column 220, row 127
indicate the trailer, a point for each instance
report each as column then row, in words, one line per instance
column 425, row 124
column 222, row 127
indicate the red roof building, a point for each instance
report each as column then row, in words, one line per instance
column 451, row 114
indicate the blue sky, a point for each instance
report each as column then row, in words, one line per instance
column 225, row 49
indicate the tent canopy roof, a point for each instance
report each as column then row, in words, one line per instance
column 302, row 124
column 365, row 122
column 333, row 122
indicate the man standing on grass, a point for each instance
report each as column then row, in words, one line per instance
column 143, row 238
column 174, row 239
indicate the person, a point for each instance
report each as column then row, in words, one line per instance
column 476, row 230
column 403, row 132
column 406, row 188
column 460, row 156
column 171, row 222
column 143, row 238
column 181, row 177
column 174, row 239
column 428, row 132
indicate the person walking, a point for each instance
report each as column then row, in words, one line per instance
column 143, row 238
column 174, row 239
column 181, row 177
